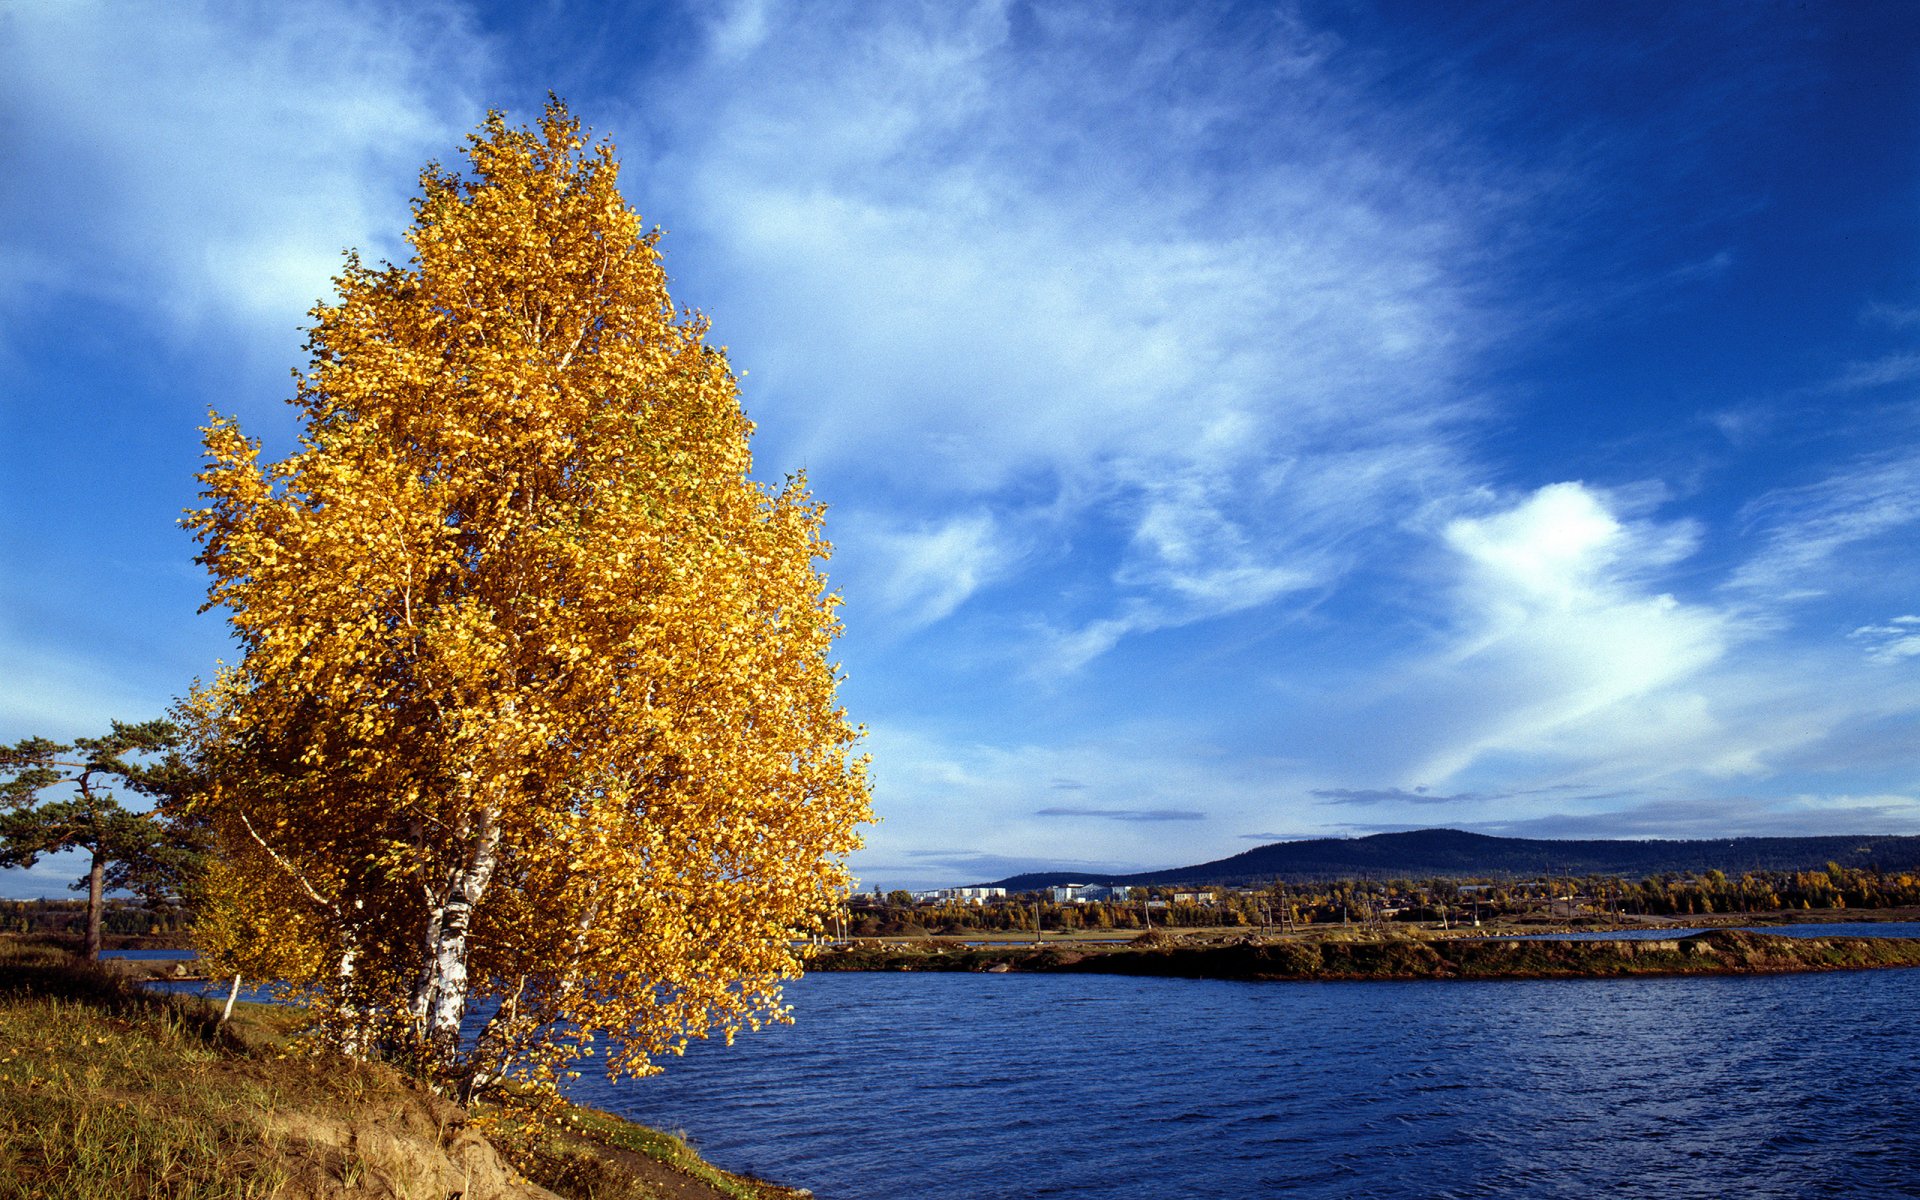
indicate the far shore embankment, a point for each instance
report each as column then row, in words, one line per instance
column 1714, row 952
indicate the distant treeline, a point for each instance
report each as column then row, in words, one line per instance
column 1585, row 898
column 1765, row 891
column 122, row 918
column 1435, row 853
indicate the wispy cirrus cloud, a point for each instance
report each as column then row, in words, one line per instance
column 1811, row 537
column 55, row 875
column 1892, row 316
column 1892, row 642
column 1370, row 796
column 1075, row 362
column 915, row 574
column 1109, row 800
column 1726, row 815
column 62, row 696
column 1123, row 814
column 1212, row 381
column 202, row 164
column 1184, row 381
column 1877, row 372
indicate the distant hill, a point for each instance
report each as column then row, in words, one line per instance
column 1429, row 853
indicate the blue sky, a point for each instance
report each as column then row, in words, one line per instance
column 1239, row 422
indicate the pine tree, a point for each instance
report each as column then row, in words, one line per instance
column 124, row 847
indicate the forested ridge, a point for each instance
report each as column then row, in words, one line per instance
column 1427, row 853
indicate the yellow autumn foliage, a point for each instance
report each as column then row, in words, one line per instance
column 537, row 706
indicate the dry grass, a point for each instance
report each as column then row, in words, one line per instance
column 110, row 1092
column 592, row 1155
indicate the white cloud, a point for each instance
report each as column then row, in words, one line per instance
column 1021, row 286
column 921, row 573
column 1813, row 537
column 1560, row 650
column 1566, row 663
column 1065, row 651
column 1552, row 549
column 737, row 30
column 1898, row 639
column 1712, row 267
column 1745, row 424
column 1722, row 815
column 1878, row 372
column 202, row 164
column 1185, row 544
column 1140, row 319
column 1895, row 316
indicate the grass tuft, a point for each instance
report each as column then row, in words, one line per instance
column 585, row 1154
column 112, row 1092
column 106, row 1092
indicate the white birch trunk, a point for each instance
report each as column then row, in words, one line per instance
column 353, row 1038
column 441, row 1000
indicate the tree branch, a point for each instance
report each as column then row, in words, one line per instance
column 288, row 867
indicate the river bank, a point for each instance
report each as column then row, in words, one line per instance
column 1715, row 952
column 110, row 1091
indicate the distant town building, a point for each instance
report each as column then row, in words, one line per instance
column 1088, row 893
column 960, row 895
column 976, row 895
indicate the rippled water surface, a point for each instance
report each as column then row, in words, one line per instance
column 997, row 1087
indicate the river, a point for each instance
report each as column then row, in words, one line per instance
column 931, row 1086
column 1003, row 1087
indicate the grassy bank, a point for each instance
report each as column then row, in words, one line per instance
column 108, row 1092
column 1717, row 952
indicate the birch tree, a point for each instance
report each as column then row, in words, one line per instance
column 537, row 706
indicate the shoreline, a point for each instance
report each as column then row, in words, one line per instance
column 107, row 1081
column 1494, row 957
column 1332, row 953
